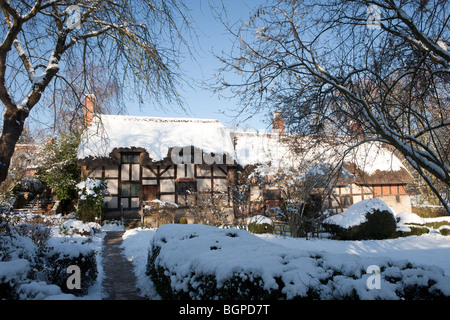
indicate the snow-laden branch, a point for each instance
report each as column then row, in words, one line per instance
column 328, row 73
column 420, row 38
column 25, row 60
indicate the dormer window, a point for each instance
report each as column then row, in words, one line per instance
column 130, row 157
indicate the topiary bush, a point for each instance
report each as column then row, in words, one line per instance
column 370, row 219
column 259, row 228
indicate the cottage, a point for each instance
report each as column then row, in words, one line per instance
column 168, row 159
column 148, row 158
column 372, row 171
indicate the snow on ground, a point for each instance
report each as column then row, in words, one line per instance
column 135, row 245
column 187, row 251
column 427, row 249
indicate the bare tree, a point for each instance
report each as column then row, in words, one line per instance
column 361, row 70
column 68, row 101
column 208, row 207
column 135, row 42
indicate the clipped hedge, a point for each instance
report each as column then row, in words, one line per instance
column 194, row 262
column 412, row 230
column 370, row 219
column 378, row 225
column 205, row 286
column 58, row 263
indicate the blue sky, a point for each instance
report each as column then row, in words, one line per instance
column 212, row 39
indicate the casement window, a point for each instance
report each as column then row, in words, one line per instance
column 347, row 201
column 184, row 186
column 130, row 190
column 130, row 170
column 386, row 190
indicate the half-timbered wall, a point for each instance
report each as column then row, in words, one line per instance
column 132, row 182
column 394, row 195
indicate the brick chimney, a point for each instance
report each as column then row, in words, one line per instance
column 356, row 130
column 278, row 122
column 88, row 110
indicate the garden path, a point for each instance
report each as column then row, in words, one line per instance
column 120, row 281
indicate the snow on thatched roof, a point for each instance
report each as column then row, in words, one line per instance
column 156, row 135
column 370, row 161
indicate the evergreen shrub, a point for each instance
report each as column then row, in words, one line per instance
column 92, row 205
column 183, row 220
column 56, row 270
column 259, row 228
column 380, row 224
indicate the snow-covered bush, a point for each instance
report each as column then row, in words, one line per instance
column 204, row 262
column 58, row 263
column 410, row 224
column 91, row 204
column 77, row 227
column 260, row 224
column 20, row 258
column 408, row 218
column 12, row 274
column 367, row 219
column 36, row 232
column 30, row 261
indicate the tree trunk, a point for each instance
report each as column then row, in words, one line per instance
column 13, row 122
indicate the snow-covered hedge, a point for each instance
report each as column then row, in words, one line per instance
column 204, row 262
column 34, row 265
column 410, row 224
column 57, row 264
column 367, row 219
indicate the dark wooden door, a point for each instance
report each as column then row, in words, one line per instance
column 148, row 193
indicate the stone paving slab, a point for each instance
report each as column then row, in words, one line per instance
column 119, row 282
